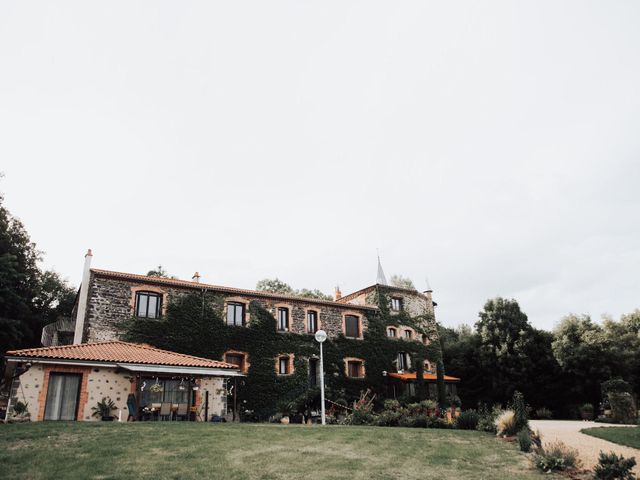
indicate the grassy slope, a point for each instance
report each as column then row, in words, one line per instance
column 196, row 450
column 629, row 436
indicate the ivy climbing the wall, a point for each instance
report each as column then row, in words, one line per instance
column 193, row 325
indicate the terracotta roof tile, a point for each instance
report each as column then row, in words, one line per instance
column 120, row 352
column 427, row 376
column 239, row 291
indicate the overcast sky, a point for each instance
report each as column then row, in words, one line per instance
column 491, row 147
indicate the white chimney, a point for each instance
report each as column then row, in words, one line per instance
column 196, row 277
column 82, row 299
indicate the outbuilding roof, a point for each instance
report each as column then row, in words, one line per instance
column 119, row 352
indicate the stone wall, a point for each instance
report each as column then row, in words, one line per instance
column 26, row 389
column 107, row 382
column 111, row 304
column 217, row 397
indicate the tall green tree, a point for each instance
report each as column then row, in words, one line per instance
column 29, row 297
column 583, row 351
column 505, row 336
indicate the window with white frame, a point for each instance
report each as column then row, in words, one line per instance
column 392, row 332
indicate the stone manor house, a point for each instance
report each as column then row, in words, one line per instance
column 108, row 299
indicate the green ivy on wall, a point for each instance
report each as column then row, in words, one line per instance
column 193, row 325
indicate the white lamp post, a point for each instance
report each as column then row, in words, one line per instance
column 321, row 336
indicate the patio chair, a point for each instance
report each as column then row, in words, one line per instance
column 183, row 411
column 165, row 410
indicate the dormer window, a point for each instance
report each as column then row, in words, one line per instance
column 283, row 319
column 396, row 304
column 148, row 304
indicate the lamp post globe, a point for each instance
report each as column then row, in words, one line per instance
column 320, row 337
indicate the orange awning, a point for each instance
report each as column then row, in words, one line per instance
column 405, row 377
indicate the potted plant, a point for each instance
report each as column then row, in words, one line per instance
column 20, row 412
column 586, row 411
column 103, row 409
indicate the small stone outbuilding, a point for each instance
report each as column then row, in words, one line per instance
column 66, row 382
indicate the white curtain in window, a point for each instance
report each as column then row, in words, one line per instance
column 62, row 397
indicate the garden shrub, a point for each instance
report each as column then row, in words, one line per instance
column 623, row 408
column 487, row 418
column 468, row 420
column 388, row 418
column 520, row 411
column 613, row 467
column 555, row 457
column 437, row 422
column 586, row 411
column 543, row 414
column 506, row 423
column 524, row 440
column 417, row 421
column 392, row 405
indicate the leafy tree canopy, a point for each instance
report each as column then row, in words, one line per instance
column 29, row 297
column 401, row 282
column 275, row 285
column 160, row 272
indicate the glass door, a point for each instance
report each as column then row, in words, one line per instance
column 62, row 396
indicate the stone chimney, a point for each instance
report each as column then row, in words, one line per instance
column 196, row 277
column 82, row 299
column 338, row 294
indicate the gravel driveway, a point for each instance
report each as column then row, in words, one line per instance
column 568, row 432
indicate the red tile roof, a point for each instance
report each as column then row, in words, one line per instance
column 119, row 352
column 427, row 376
column 239, row 291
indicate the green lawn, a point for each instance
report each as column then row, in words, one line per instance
column 249, row 451
column 629, row 436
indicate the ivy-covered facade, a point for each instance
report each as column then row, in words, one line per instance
column 373, row 334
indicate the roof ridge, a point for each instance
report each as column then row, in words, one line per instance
column 151, row 347
column 65, row 347
column 119, row 351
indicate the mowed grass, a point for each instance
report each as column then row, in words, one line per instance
column 157, row 450
column 628, row 436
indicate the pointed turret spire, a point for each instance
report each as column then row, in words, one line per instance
column 381, row 280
